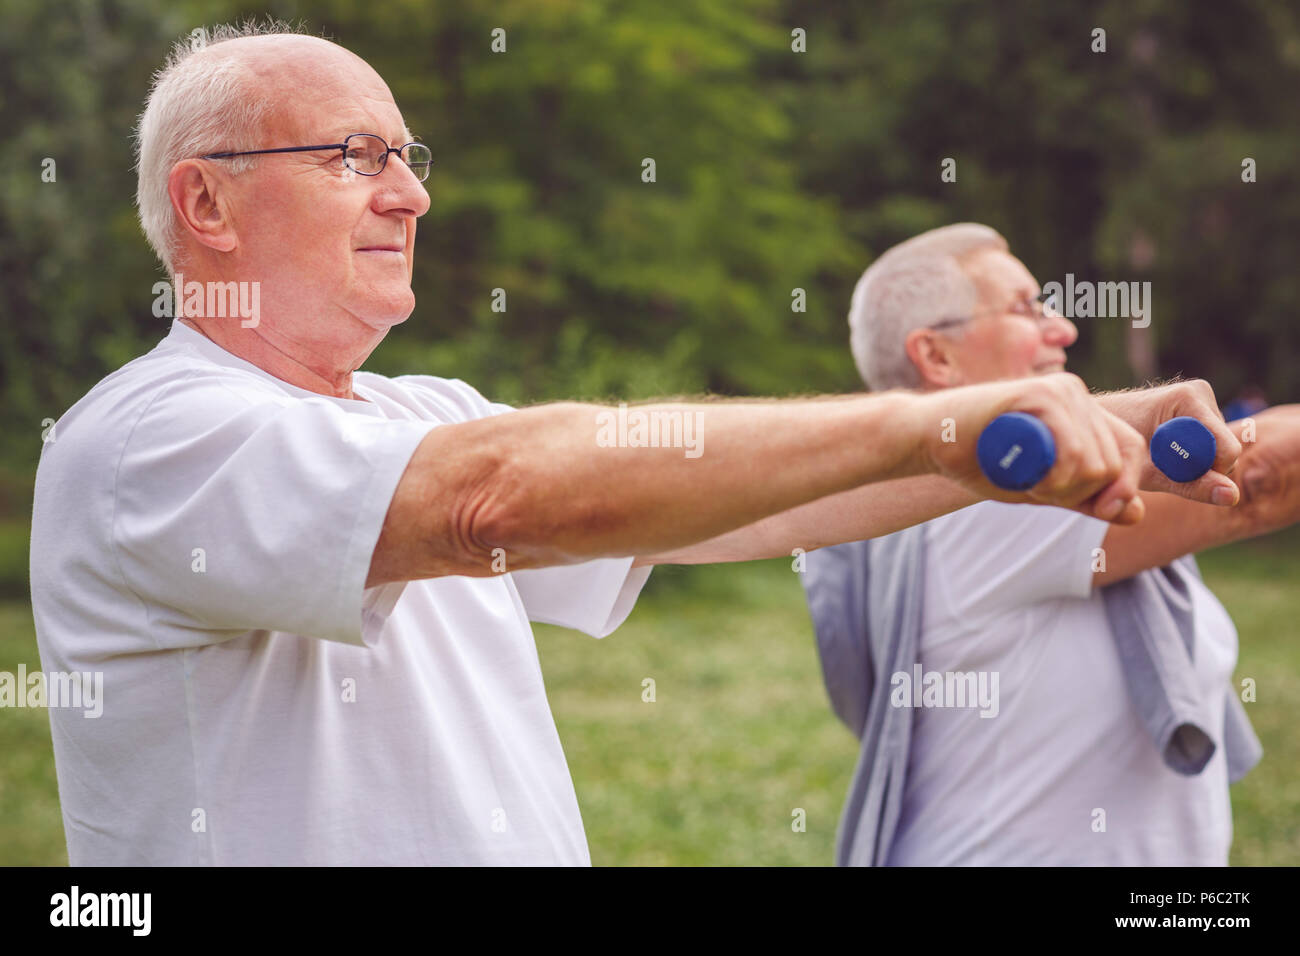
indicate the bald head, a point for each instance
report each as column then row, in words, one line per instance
column 236, row 88
column 299, row 75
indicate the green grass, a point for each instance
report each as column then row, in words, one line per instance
column 1259, row 583
column 738, row 737
column 31, row 828
column 740, row 734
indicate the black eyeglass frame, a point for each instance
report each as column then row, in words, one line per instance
column 344, row 147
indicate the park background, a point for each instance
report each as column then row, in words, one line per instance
column 775, row 170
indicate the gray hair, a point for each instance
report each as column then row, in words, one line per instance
column 197, row 104
column 912, row 285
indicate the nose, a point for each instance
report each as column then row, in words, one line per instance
column 1059, row 331
column 399, row 191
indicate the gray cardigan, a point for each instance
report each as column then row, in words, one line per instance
column 866, row 597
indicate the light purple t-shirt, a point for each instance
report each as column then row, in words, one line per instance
column 1063, row 771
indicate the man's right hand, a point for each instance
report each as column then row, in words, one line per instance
column 1099, row 458
column 1146, row 409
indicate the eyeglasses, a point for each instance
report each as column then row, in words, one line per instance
column 1040, row 309
column 363, row 153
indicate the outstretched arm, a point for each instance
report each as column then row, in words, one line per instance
column 872, row 511
column 537, row 483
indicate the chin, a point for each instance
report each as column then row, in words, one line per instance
column 384, row 311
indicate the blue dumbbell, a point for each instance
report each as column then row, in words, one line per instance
column 1183, row 448
column 1016, row 450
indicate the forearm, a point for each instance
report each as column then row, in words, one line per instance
column 871, row 512
column 750, row 460
column 556, row 484
column 867, row 512
column 1173, row 527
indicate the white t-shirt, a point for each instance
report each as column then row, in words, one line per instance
column 1009, row 590
column 201, row 535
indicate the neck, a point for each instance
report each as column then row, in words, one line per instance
column 287, row 360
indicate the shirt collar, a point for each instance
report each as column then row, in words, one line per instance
column 184, row 337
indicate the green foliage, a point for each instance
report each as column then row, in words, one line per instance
column 1080, row 157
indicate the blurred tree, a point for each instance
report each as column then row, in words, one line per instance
column 1115, row 165
column 75, row 273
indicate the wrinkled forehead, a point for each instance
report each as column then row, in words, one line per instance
column 319, row 91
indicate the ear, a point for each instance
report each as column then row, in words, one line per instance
column 935, row 358
column 199, row 197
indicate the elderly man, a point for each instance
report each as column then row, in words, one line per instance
column 1098, row 724
column 308, row 588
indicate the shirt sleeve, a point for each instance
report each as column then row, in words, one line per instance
column 247, row 512
column 994, row 557
column 594, row 597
